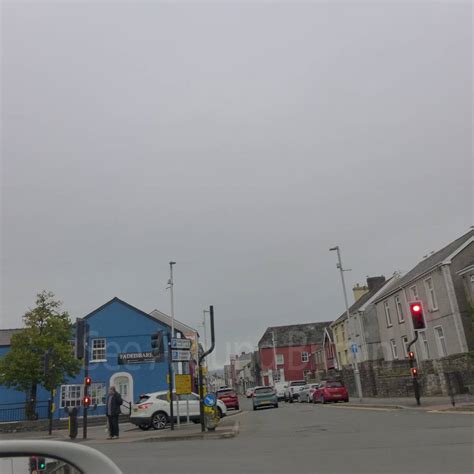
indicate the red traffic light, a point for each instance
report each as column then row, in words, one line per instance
column 414, row 372
column 411, row 355
column 416, row 311
column 86, row 401
column 87, row 381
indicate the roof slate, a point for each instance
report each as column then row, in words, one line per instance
column 294, row 335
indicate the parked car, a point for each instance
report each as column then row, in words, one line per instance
column 249, row 392
column 153, row 409
column 306, row 393
column 280, row 390
column 292, row 390
column 331, row 391
column 229, row 397
column 265, row 397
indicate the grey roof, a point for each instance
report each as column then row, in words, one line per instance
column 6, row 336
column 165, row 319
column 361, row 301
column 294, row 335
column 427, row 264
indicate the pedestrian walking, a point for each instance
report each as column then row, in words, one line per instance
column 114, row 400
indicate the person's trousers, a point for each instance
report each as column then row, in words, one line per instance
column 113, row 425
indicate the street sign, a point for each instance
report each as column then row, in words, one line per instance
column 210, row 400
column 184, row 344
column 180, row 356
column 183, row 384
column 204, row 371
column 354, row 348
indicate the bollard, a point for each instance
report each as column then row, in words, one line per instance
column 72, row 422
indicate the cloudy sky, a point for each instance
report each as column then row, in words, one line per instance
column 240, row 139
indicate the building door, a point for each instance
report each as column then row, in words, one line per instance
column 123, row 383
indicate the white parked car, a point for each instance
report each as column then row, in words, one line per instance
column 280, row 390
column 293, row 389
column 306, row 392
column 249, row 392
column 153, row 410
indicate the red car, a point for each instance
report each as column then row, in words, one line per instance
column 330, row 392
column 229, row 397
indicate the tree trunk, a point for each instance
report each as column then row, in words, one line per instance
column 31, row 403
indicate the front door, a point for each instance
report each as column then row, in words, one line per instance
column 123, row 383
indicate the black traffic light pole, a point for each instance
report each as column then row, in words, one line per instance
column 86, row 374
column 48, row 369
column 414, row 376
column 201, row 358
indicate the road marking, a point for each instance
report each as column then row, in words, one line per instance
column 452, row 412
column 361, row 408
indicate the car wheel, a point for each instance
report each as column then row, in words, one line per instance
column 291, row 400
column 346, row 400
column 159, row 420
column 237, row 407
column 276, row 405
column 322, row 400
column 144, row 427
column 219, row 412
column 254, row 408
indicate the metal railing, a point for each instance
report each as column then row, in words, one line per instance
column 128, row 406
column 17, row 411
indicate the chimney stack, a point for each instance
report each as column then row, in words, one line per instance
column 374, row 283
column 359, row 291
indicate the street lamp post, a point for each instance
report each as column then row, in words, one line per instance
column 349, row 321
column 171, row 287
column 274, row 354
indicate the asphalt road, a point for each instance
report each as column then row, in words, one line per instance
column 302, row 438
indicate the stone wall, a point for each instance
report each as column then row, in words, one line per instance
column 441, row 377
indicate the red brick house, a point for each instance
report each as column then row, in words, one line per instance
column 287, row 352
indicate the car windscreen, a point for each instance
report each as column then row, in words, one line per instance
column 334, row 385
column 294, row 384
column 143, row 398
column 225, row 393
column 264, row 391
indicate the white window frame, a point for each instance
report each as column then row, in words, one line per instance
column 399, row 308
column 440, row 341
column 413, row 290
column 276, row 376
column 424, row 344
column 71, row 395
column 405, row 345
column 388, row 316
column 100, row 350
column 304, row 356
column 431, row 295
column 393, row 345
column 280, row 359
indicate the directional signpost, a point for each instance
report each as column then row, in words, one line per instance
column 181, row 352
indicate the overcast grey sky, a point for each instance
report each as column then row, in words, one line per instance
column 241, row 140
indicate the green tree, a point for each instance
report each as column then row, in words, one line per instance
column 47, row 327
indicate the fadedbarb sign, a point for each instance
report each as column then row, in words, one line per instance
column 135, row 357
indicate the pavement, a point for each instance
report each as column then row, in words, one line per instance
column 305, row 438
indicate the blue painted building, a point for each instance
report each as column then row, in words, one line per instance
column 119, row 355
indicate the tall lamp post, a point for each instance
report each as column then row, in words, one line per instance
column 171, row 287
column 349, row 321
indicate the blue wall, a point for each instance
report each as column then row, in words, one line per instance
column 126, row 329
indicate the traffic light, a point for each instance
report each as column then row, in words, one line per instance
column 87, row 381
column 414, row 372
column 37, row 464
column 411, row 355
column 416, row 311
column 86, row 401
column 157, row 345
column 80, row 338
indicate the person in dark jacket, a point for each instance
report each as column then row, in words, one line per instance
column 114, row 400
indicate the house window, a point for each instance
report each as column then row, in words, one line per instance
column 98, row 350
column 432, row 302
column 398, row 305
column 413, row 293
column 424, row 344
column 97, row 393
column 346, row 355
column 280, row 360
column 304, row 357
column 71, row 395
column 405, row 345
column 337, row 337
column 440, row 341
column 393, row 344
column 388, row 317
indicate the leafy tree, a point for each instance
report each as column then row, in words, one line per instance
column 47, row 327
